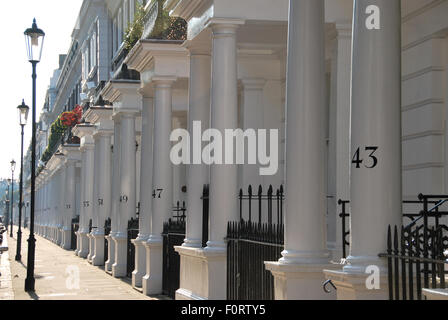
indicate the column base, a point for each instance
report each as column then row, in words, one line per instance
column 84, row 245
column 119, row 268
column 299, row 281
column 140, row 261
column 203, row 274
column 91, row 247
column 98, row 249
column 152, row 282
column 66, row 239
column 110, row 253
column 435, row 294
column 352, row 286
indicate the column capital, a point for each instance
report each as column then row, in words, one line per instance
column 198, row 49
column 224, row 27
column 71, row 162
column 253, row 83
column 125, row 113
column 87, row 145
column 104, row 128
column 163, row 81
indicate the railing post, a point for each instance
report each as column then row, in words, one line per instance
column 205, row 215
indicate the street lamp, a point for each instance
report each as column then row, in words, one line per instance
column 34, row 43
column 23, row 119
column 13, row 168
column 7, row 205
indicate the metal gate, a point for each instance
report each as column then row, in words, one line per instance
column 133, row 231
column 173, row 235
column 416, row 254
column 75, row 228
column 107, row 229
column 250, row 243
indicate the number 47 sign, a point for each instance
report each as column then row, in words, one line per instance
column 358, row 161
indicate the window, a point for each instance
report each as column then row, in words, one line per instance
column 93, row 51
column 120, row 27
column 115, row 35
column 125, row 14
column 84, row 65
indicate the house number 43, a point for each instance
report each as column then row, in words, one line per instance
column 372, row 163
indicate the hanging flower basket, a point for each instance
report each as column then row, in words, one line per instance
column 58, row 128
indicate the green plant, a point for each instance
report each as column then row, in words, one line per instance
column 168, row 28
column 134, row 30
column 177, row 29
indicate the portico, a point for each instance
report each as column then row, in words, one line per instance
column 162, row 66
column 127, row 106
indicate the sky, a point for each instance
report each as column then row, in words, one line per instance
column 57, row 19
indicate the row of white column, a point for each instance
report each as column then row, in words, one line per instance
column 375, row 192
column 55, row 205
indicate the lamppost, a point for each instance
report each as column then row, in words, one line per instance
column 25, row 224
column 23, row 118
column 8, row 201
column 34, row 43
column 13, row 168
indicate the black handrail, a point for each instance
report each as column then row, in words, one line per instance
column 423, row 214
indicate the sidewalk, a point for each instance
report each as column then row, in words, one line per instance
column 6, row 292
column 60, row 275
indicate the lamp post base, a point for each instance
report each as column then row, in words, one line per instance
column 30, row 280
column 29, row 284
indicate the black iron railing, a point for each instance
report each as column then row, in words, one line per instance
column 413, row 264
column 107, row 229
column 74, row 229
column 205, row 214
column 251, row 243
column 421, row 219
column 133, row 230
column 173, row 235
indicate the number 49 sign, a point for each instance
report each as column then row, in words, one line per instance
column 372, row 163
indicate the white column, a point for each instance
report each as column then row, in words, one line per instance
column 252, row 119
column 376, row 191
column 339, row 145
column 103, row 200
column 81, row 233
column 224, row 115
column 115, row 203
column 127, row 191
column 162, row 184
column 69, row 210
column 145, row 191
column 94, row 203
column 61, row 202
column 298, row 274
column 376, row 122
column 87, row 201
column 45, row 203
column 199, row 110
column 209, row 265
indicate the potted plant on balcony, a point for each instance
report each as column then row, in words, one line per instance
column 58, row 128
